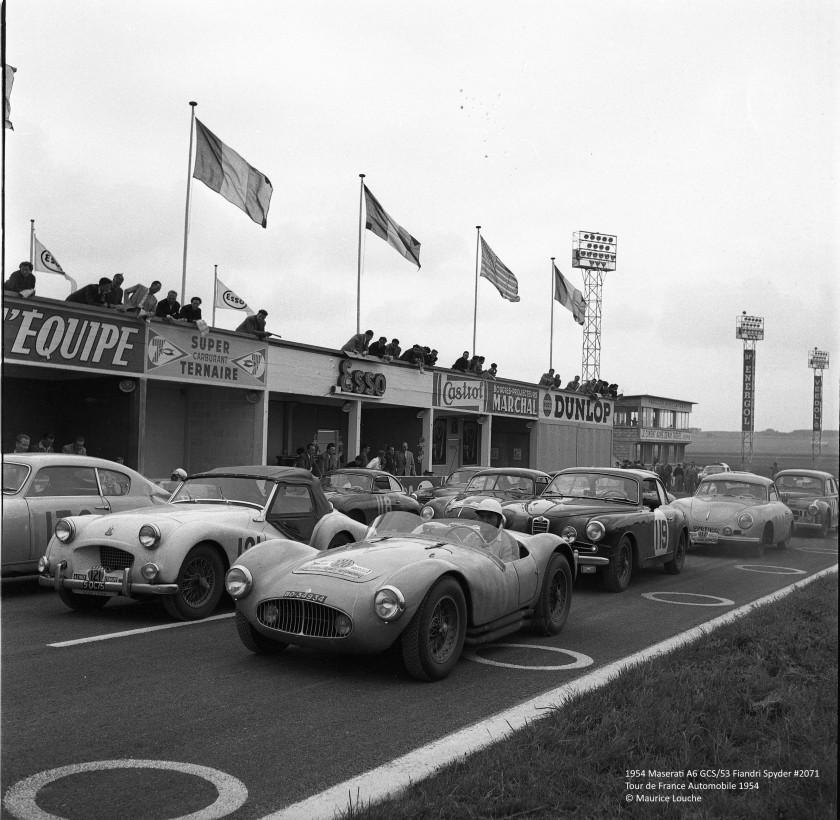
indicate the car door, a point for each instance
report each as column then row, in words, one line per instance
column 831, row 498
column 662, row 535
column 292, row 512
column 116, row 488
column 778, row 512
column 56, row 492
column 399, row 500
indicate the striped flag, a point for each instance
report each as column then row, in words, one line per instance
column 9, row 75
column 493, row 269
column 569, row 297
column 378, row 222
column 226, row 299
column 222, row 170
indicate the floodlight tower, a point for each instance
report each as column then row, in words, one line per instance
column 817, row 361
column 751, row 330
column 594, row 253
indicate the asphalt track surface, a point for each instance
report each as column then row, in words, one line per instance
column 104, row 716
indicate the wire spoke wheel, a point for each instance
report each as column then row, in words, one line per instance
column 199, row 582
column 443, row 630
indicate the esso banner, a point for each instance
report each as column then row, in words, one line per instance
column 748, row 401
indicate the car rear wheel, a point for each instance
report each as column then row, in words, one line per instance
column 200, row 585
column 555, row 599
column 256, row 641
column 432, row 642
column 618, row 571
column 675, row 565
column 82, row 603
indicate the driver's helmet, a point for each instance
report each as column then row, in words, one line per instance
column 487, row 507
column 179, row 475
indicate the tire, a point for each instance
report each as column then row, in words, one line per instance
column 256, row 641
column 825, row 525
column 555, row 601
column 675, row 565
column 785, row 542
column 339, row 541
column 757, row 550
column 432, row 642
column 617, row 573
column 200, row 585
column 82, row 603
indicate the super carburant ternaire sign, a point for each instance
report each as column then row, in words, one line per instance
column 52, row 335
column 184, row 354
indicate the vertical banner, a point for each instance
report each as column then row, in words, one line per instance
column 748, row 401
column 817, row 401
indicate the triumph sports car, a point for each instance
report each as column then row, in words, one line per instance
column 617, row 520
column 179, row 551
column 811, row 496
column 363, row 494
column 737, row 508
column 432, row 586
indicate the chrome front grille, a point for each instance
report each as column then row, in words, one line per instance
column 539, row 524
column 297, row 617
column 113, row 558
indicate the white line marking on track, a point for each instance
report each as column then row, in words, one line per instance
column 652, row 596
column 579, row 662
column 391, row 778
column 20, row 798
column 129, row 632
column 770, row 569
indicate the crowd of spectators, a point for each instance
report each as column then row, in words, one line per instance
column 592, row 387
column 397, row 462
column 475, row 365
column 47, row 445
column 360, row 344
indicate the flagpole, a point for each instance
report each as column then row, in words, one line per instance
column 477, row 263
column 215, row 291
column 187, row 209
column 551, row 342
column 32, row 243
column 359, row 258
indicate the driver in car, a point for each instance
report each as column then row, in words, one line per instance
column 489, row 511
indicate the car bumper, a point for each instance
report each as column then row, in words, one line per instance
column 719, row 538
column 124, row 586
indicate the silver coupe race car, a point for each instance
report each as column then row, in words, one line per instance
column 431, row 585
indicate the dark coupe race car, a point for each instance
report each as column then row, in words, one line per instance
column 811, row 496
column 363, row 495
column 429, row 585
column 502, row 483
column 616, row 519
column 456, row 482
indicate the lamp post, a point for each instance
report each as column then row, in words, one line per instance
column 751, row 330
column 817, row 361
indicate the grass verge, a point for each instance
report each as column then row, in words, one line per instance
column 755, row 697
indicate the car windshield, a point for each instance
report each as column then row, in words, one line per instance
column 224, row 489
column 463, row 532
column 501, row 484
column 459, row 478
column 801, row 483
column 13, row 476
column 347, row 483
column 595, row 485
column 735, row 489
column 714, row 469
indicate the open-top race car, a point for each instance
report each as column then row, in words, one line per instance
column 811, row 496
column 618, row 520
column 431, row 585
column 363, row 494
column 180, row 551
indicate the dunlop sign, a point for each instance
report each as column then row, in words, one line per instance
column 748, row 402
column 576, row 407
column 63, row 337
column 817, row 402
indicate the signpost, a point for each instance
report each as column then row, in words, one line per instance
column 751, row 330
column 817, row 361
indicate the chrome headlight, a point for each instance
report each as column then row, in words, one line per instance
column 595, row 530
column 238, row 582
column 814, row 510
column 149, row 571
column 149, row 536
column 343, row 625
column 427, row 513
column 569, row 532
column 389, row 603
column 745, row 521
column 65, row 530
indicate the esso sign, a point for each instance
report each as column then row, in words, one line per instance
column 362, row 382
column 231, row 300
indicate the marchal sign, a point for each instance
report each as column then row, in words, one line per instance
column 511, row 400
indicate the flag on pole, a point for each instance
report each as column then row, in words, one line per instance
column 493, row 269
column 9, row 71
column 227, row 299
column 378, row 222
column 222, row 170
column 47, row 263
column 569, row 297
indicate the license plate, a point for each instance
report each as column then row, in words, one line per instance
column 704, row 536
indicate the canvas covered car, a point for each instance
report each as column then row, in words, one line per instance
column 737, row 509
column 366, row 494
column 617, row 520
column 41, row 488
column 180, row 551
column 811, row 496
column 432, row 586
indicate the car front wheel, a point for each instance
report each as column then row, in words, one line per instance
column 617, row 573
column 675, row 565
column 785, row 542
column 825, row 525
column 200, row 585
column 82, row 603
column 256, row 641
column 555, row 599
column 432, row 642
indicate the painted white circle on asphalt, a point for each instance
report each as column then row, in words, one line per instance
column 579, row 662
column 715, row 600
column 20, row 798
column 770, row 569
column 817, row 549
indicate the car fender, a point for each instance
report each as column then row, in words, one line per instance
column 272, row 557
column 544, row 545
column 334, row 523
column 415, row 580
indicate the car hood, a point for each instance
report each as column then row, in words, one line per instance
column 717, row 509
column 562, row 506
column 799, row 498
column 169, row 514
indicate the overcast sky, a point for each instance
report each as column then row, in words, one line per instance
column 704, row 135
